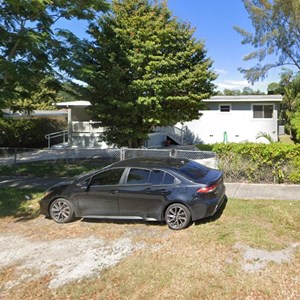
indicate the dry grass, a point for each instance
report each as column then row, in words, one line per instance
column 286, row 139
column 200, row 262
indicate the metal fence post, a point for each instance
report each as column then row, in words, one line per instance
column 122, row 153
column 173, row 152
column 67, row 157
column 15, row 158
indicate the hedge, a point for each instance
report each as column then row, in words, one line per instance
column 259, row 163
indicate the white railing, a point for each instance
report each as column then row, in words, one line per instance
column 63, row 134
column 177, row 133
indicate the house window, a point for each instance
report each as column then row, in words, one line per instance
column 225, row 107
column 263, row 111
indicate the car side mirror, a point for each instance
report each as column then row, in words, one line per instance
column 85, row 185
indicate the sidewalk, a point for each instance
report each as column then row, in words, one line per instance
column 233, row 190
column 263, row 191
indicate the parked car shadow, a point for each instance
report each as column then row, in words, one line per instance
column 122, row 222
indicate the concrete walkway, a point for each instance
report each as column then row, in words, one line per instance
column 233, row 190
column 263, row 191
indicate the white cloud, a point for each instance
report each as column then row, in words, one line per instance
column 233, row 84
column 240, row 84
column 221, row 71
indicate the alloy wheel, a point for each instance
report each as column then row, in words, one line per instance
column 177, row 216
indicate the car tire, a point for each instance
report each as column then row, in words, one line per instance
column 62, row 211
column 177, row 216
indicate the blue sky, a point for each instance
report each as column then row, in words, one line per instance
column 214, row 21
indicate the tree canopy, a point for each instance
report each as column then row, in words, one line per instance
column 237, row 92
column 143, row 68
column 276, row 32
column 30, row 44
column 289, row 87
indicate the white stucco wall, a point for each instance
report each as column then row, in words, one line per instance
column 238, row 124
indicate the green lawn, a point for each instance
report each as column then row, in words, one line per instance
column 204, row 261
column 19, row 202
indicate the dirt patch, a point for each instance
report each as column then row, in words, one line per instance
column 40, row 259
column 40, row 248
column 256, row 259
column 66, row 260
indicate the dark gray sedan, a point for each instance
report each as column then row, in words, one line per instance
column 177, row 191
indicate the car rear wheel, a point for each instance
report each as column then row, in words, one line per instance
column 177, row 216
column 62, row 211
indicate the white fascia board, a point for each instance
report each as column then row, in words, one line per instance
column 245, row 98
column 82, row 103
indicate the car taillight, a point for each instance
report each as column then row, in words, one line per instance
column 208, row 189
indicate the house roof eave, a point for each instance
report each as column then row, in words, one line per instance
column 244, row 98
column 82, row 103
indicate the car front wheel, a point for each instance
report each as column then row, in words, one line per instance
column 177, row 216
column 62, row 211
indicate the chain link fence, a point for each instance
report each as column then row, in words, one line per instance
column 248, row 170
column 85, row 158
column 236, row 169
column 16, row 156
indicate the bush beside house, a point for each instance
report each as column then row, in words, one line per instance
column 259, row 163
column 27, row 133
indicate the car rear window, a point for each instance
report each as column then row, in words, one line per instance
column 193, row 171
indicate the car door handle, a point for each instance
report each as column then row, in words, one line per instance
column 164, row 191
column 113, row 192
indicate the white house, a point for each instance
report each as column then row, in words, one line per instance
column 228, row 119
column 81, row 132
column 237, row 119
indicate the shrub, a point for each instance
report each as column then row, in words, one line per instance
column 27, row 133
column 278, row 163
column 295, row 126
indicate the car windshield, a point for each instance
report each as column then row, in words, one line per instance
column 83, row 176
column 193, row 171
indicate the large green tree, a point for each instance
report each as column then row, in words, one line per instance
column 276, row 32
column 289, row 87
column 291, row 105
column 143, row 68
column 30, row 44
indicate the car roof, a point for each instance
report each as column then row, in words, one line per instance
column 149, row 162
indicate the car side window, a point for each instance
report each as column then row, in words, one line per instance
column 156, row 177
column 138, row 176
column 168, row 179
column 109, row 177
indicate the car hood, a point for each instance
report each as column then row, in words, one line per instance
column 60, row 184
